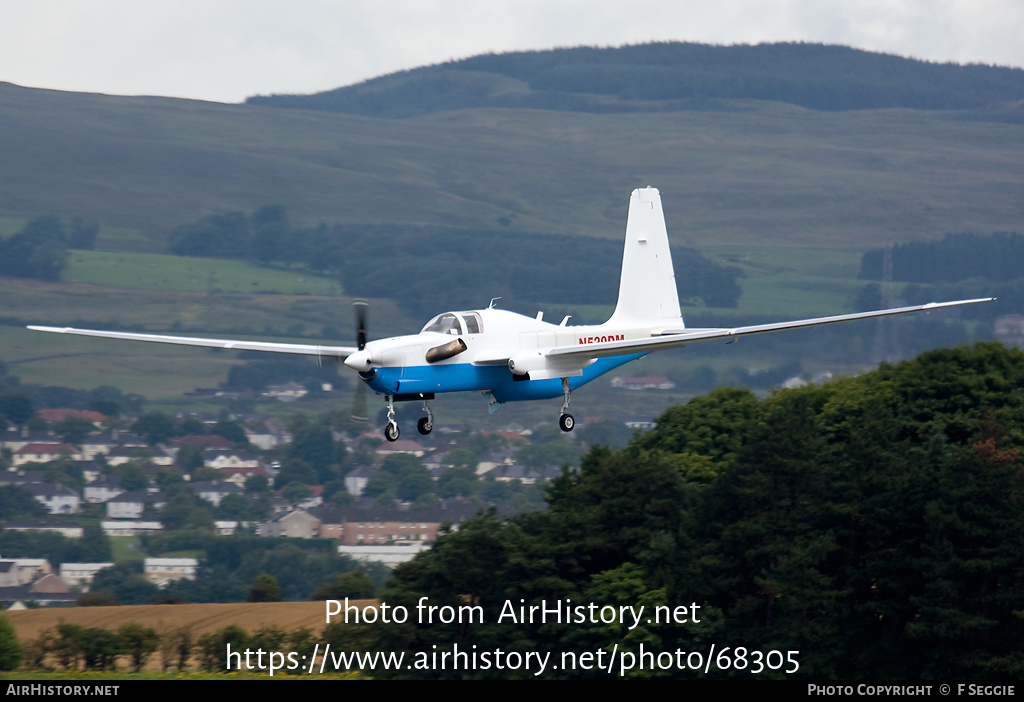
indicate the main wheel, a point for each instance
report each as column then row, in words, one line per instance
column 391, row 432
column 566, row 422
column 424, row 426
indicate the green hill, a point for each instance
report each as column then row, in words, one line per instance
column 673, row 76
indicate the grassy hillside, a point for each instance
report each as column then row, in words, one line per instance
column 672, row 76
column 748, row 173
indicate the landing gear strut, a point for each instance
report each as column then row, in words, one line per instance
column 565, row 420
column 426, row 424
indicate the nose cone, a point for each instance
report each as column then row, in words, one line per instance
column 359, row 361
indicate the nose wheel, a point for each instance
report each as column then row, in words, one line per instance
column 391, row 429
column 424, row 426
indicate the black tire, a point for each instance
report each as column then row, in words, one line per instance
column 566, row 422
column 424, row 426
column 391, row 432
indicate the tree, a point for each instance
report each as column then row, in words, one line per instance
column 73, row 429
column 11, row 649
column 16, row 407
column 155, row 427
column 139, row 642
column 355, row 584
column 94, row 546
column 265, row 589
column 176, row 648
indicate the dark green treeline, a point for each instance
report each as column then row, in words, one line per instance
column 873, row 524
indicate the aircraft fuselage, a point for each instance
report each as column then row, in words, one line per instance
column 493, row 338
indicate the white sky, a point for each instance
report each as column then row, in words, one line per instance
column 227, row 50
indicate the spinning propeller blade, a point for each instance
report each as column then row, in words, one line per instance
column 362, row 310
column 362, row 313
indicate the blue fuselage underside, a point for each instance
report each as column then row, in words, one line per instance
column 498, row 380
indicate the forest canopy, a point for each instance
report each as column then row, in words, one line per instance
column 432, row 268
column 872, row 525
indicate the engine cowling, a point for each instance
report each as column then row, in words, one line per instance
column 524, row 363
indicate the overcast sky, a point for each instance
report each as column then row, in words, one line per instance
column 227, row 50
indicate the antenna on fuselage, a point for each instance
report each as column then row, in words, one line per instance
column 493, row 300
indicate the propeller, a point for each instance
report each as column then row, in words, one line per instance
column 362, row 312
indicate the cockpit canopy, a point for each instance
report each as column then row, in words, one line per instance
column 455, row 323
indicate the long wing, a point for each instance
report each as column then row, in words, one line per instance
column 668, row 341
column 301, row 349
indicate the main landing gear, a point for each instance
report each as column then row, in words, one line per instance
column 424, row 426
column 565, row 420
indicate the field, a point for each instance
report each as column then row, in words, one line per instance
column 201, row 618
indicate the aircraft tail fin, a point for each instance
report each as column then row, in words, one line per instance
column 647, row 286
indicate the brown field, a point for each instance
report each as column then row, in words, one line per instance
column 202, row 618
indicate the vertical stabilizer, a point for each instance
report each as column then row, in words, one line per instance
column 647, row 287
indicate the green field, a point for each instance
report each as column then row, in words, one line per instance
column 166, row 272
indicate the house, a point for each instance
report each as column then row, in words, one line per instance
column 401, row 446
column 238, row 476
column 57, row 498
column 151, row 454
column 71, row 531
column 356, row 480
column 104, row 488
column 14, row 438
column 298, row 524
column 22, row 571
column 496, row 459
column 161, row 571
column 80, row 575
column 651, row 382
column 203, row 441
column 106, row 442
column 130, row 505
column 383, row 526
column 126, row 527
column 224, row 459
column 389, row 555
column 59, row 415
column 213, row 491
column 20, row 477
column 286, row 392
column 43, row 453
column 273, row 434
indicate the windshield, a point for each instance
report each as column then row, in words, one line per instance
column 455, row 323
column 446, row 323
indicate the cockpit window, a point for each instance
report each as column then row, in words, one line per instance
column 474, row 325
column 446, row 323
column 455, row 323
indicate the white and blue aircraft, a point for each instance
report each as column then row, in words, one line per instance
column 512, row 357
